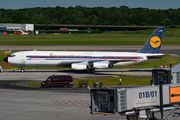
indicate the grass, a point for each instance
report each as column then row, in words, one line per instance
column 80, row 39
column 158, row 62
column 111, row 81
column 115, row 81
column 111, row 38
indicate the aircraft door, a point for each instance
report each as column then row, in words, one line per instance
column 23, row 58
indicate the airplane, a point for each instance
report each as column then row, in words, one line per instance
column 89, row 61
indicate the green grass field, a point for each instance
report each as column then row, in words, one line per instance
column 111, row 81
column 80, row 39
column 111, row 38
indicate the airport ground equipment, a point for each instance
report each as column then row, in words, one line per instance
column 97, row 83
column 138, row 102
column 161, row 75
column 83, row 82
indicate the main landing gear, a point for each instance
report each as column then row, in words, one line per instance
column 90, row 70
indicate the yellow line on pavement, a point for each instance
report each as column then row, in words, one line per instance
column 126, row 72
column 10, row 69
column 115, row 76
column 7, row 52
column 19, row 84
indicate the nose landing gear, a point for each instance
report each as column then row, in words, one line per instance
column 22, row 70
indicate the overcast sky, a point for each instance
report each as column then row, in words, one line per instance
column 151, row 4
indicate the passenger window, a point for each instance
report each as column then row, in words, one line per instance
column 55, row 79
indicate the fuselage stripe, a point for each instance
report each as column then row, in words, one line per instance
column 84, row 57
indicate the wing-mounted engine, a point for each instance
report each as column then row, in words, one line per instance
column 90, row 67
column 102, row 64
column 79, row 66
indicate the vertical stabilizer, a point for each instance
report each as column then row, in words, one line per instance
column 153, row 44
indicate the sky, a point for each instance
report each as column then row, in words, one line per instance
column 151, row 4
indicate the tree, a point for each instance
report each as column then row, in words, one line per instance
column 91, row 16
column 167, row 22
column 36, row 19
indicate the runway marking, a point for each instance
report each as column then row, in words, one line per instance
column 72, row 103
column 57, row 102
column 65, row 102
column 10, row 69
column 84, row 102
column 7, row 52
column 115, row 76
column 126, row 72
column 79, row 103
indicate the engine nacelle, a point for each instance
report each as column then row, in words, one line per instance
column 79, row 66
column 100, row 64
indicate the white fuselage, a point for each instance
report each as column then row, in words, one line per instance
column 61, row 58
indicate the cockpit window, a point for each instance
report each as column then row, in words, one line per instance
column 11, row 55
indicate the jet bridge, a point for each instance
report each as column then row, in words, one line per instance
column 139, row 102
column 103, row 101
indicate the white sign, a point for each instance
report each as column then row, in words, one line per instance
column 145, row 97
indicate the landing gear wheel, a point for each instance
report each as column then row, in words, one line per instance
column 92, row 70
column 22, row 70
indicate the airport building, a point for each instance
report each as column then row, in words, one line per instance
column 92, row 27
column 30, row 27
column 16, row 27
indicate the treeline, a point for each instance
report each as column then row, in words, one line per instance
column 92, row 16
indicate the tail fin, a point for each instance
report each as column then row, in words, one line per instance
column 153, row 44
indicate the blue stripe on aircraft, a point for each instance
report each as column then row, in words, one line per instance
column 80, row 57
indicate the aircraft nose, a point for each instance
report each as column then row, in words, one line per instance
column 6, row 59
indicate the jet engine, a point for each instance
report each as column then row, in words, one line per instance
column 79, row 66
column 104, row 64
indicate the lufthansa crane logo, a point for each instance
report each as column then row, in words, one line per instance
column 155, row 42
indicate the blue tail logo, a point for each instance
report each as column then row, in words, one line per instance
column 153, row 44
